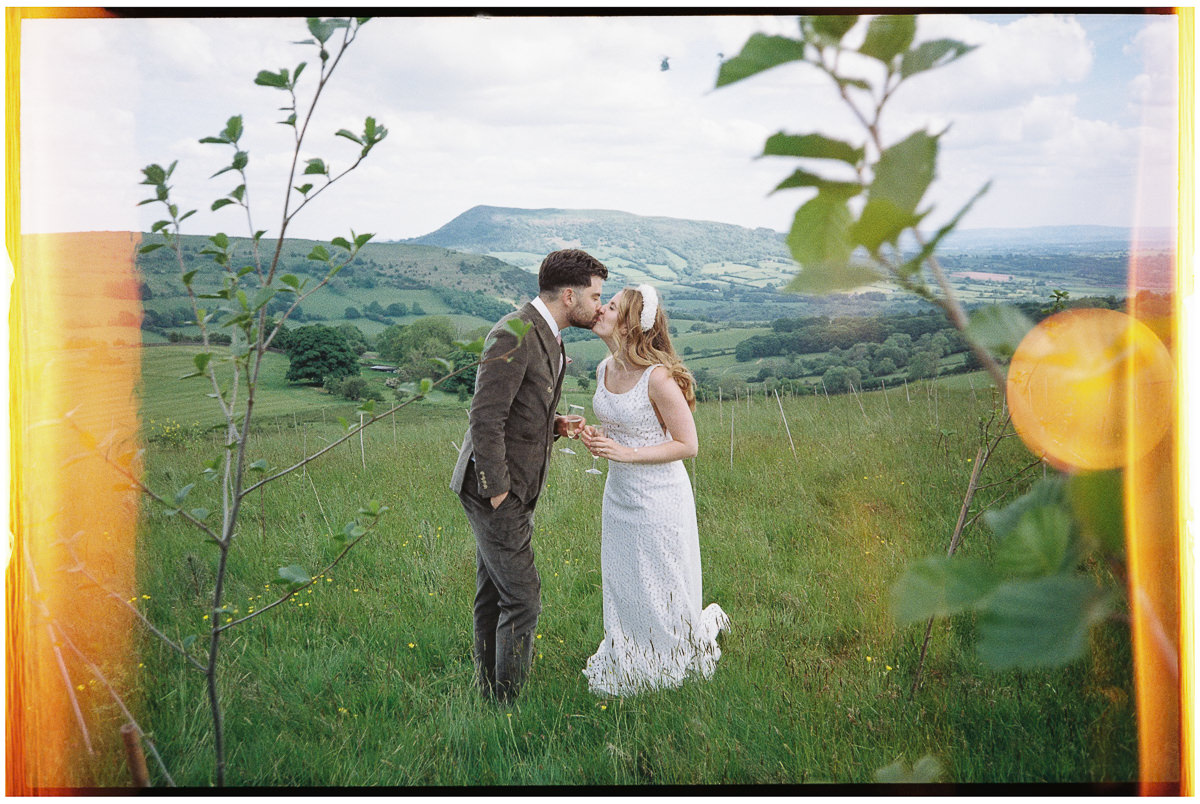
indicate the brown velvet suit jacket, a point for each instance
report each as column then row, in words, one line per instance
column 511, row 432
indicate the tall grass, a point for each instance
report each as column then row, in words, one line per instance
column 366, row 679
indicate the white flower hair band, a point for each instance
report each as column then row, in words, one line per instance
column 649, row 306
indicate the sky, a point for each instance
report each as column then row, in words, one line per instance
column 1071, row 117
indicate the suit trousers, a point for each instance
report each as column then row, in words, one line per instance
column 508, row 591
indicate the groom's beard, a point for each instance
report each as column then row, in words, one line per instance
column 579, row 317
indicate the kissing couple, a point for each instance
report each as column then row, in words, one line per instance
column 655, row 632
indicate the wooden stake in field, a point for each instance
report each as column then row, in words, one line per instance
column 394, row 427
column 854, row 391
column 886, row 401
column 785, row 425
column 731, row 410
column 906, row 396
column 721, row 406
column 361, row 446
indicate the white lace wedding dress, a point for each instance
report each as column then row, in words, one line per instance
column 655, row 633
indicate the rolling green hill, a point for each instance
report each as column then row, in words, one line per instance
column 635, row 248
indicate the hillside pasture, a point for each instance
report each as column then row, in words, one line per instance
column 366, row 679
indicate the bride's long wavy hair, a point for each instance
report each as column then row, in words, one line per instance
column 636, row 347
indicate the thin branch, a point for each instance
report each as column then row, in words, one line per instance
column 300, row 589
column 352, row 432
column 95, row 670
column 170, row 642
column 134, row 481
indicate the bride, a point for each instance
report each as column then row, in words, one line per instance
column 655, row 633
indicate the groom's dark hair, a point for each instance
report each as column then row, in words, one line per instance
column 569, row 268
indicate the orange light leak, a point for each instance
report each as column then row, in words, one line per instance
column 74, row 348
column 77, row 317
column 1093, row 389
column 1098, row 389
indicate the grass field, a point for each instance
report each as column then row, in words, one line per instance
column 366, row 680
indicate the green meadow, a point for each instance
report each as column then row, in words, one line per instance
column 809, row 508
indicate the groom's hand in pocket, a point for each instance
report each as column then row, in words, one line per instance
column 498, row 500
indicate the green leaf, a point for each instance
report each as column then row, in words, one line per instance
column 444, row 363
column 1038, row 545
column 201, row 361
column 258, row 466
column 315, row 166
column 927, row 770
column 266, row 78
column 151, row 247
column 940, row 586
column 182, row 494
column 1098, row 502
column 303, row 189
column 262, row 297
column 889, row 35
column 340, row 242
column 929, row 55
column 1040, row 623
column 426, row 385
column 321, row 29
column 221, row 202
column 373, row 508
column 294, row 574
column 761, row 52
column 319, row 253
column 830, row 28
column 188, row 641
column 367, row 407
column 998, row 328
column 362, row 239
column 220, row 240
column 802, row 178
column 881, row 222
column 200, row 514
column 814, row 146
column 233, row 128
column 820, row 241
column 353, row 530
column 1047, row 491
column 291, row 280
column 517, row 327
column 905, row 171
column 474, row 347
column 154, row 174
column 350, row 135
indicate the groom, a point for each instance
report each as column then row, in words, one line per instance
column 501, row 468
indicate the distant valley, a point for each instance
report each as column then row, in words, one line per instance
column 484, row 262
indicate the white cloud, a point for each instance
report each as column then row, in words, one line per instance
column 576, row 112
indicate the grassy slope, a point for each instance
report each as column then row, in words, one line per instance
column 366, row 681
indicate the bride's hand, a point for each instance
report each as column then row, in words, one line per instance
column 603, row 447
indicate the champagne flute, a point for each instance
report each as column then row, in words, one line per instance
column 575, row 414
column 597, row 430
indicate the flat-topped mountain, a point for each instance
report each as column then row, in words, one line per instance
column 636, row 248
